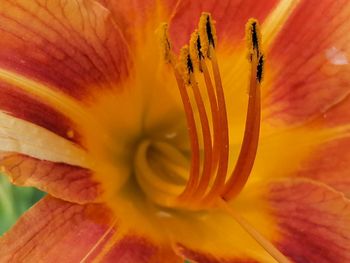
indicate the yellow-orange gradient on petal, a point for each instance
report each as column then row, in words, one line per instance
column 163, row 130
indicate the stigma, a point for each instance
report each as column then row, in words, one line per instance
column 209, row 177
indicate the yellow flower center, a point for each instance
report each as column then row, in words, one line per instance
column 161, row 167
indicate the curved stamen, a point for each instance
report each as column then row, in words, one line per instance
column 207, row 165
column 188, row 69
column 197, row 57
column 192, row 131
column 182, row 76
column 205, row 180
column 249, row 146
column 207, row 27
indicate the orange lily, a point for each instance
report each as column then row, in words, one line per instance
column 151, row 157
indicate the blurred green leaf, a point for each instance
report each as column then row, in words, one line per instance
column 14, row 201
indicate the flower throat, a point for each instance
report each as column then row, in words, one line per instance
column 209, row 178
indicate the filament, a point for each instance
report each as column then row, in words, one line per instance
column 224, row 138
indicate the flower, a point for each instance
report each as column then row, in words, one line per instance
column 96, row 114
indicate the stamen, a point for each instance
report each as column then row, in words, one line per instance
column 192, row 131
column 207, row 36
column 197, row 55
column 249, row 146
column 207, row 142
column 224, row 141
column 253, row 38
column 207, row 165
column 185, row 65
column 191, row 123
column 260, row 69
column 217, row 142
column 207, row 33
column 195, row 50
column 208, row 151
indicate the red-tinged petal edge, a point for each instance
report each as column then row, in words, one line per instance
column 230, row 17
column 313, row 221
column 329, row 164
column 59, row 231
column 308, row 65
column 73, row 46
column 20, row 105
column 71, row 183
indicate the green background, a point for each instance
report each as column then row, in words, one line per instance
column 14, row 201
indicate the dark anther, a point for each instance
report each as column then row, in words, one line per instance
column 168, row 43
column 255, row 38
column 199, row 48
column 260, row 69
column 209, row 33
column 189, row 64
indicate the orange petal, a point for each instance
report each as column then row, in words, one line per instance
column 66, row 232
column 313, row 221
column 305, row 220
column 308, row 64
column 230, row 17
column 214, row 236
column 72, row 46
column 63, row 181
column 26, row 107
column 134, row 16
column 338, row 114
column 51, row 52
column 137, row 249
column 23, row 137
column 329, row 164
